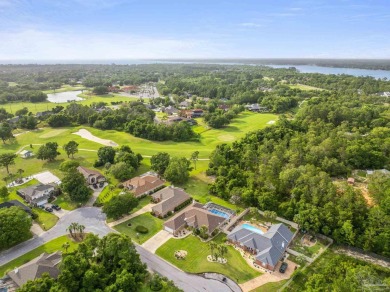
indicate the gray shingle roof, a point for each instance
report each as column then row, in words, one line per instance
column 270, row 245
column 171, row 198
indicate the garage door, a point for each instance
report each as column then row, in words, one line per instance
column 43, row 202
column 168, row 229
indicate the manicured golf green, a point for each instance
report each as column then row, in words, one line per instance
column 153, row 224
column 236, row 267
column 49, row 247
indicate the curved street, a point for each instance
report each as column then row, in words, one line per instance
column 94, row 221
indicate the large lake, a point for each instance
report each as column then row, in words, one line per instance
column 66, row 96
column 330, row 70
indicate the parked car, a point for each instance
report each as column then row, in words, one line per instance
column 48, row 209
column 95, row 186
column 283, row 267
column 41, row 206
column 56, row 207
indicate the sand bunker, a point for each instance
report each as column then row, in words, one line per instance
column 83, row 133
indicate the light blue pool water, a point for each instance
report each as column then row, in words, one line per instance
column 252, row 228
column 220, row 213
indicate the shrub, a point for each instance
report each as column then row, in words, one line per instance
column 141, row 229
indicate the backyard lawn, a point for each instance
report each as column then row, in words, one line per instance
column 49, row 247
column 309, row 251
column 153, row 224
column 196, row 261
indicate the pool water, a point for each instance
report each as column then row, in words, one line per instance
column 220, row 213
column 252, row 228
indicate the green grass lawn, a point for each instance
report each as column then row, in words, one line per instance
column 308, row 251
column 152, row 223
column 49, row 247
column 305, row 87
column 196, row 260
column 45, row 219
column 65, row 203
column 270, row 287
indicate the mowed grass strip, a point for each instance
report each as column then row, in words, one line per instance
column 196, row 261
column 49, row 247
column 153, row 224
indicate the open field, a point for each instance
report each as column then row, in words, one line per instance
column 305, row 87
column 44, row 106
column 49, row 247
column 196, row 260
column 153, row 224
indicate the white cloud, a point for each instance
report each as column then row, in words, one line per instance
column 40, row 45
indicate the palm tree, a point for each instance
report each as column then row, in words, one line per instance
column 202, row 231
column 20, row 172
column 81, row 229
column 72, row 228
column 65, row 246
column 222, row 250
column 213, row 246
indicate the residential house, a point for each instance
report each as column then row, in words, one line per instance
column 45, row 263
column 91, row 176
column 257, row 108
column 196, row 216
column 15, row 203
column 224, row 107
column 37, row 195
column 26, row 154
column 144, row 184
column 194, row 113
column 13, row 121
column 268, row 248
column 170, row 110
column 185, row 104
column 130, row 89
column 43, row 114
column 351, row 181
column 168, row 199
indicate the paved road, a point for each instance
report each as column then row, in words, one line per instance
column 94, row 221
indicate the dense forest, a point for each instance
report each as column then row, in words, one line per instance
column 292, row 167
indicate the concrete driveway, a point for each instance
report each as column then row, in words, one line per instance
column 269, row 277
column 153, row 243
column 94, row 221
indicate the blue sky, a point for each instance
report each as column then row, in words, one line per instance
column 120, row 29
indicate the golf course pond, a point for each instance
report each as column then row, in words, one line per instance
column 62, row 97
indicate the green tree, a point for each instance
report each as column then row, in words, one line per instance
column 178, row 170
column 122, row 171
column 5, row 132
column 69, row 165
column 100, row 90
column 159, row 162
column 71, row 148
column 21, row 112
column 65, row 246
column 15, row 226
column 75, row 186
column 4, row 192
column 195, row 157
column 7, row 159
column 105, row 154
column 213, row 246
column 120, row 205
column 43, row 284
column 48, row 151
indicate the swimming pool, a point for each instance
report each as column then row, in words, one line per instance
column 252, row 228
column 220, row 213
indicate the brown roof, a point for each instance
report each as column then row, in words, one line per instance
column 171, row 197
column 196, row 216
column 45, row 263
column 140, row 185
column 86, row 172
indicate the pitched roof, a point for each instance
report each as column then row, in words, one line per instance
column 171, row 198
column 45, row 263
column 86, row 172
column 15, row 203
column 197, row 217
column 35, row 190
column 270, row 245
column 144, row 183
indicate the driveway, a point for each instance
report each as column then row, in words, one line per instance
column 94, row 221
column 95, row 195
column 153, row 243
column 269, row 277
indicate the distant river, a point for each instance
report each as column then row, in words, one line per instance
column 62, row 97
column 330, row 70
